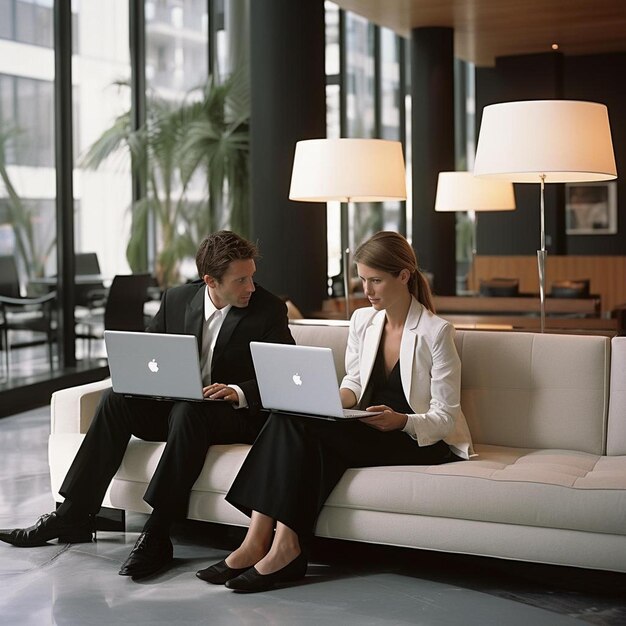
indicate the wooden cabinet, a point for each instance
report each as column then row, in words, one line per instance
column 606, row 273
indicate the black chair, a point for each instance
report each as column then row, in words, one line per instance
column 35, row 315
column 86, row 263
column 123, row 309
column 499, row 287
column 570, row 288
column 91, row 294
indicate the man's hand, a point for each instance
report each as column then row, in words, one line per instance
column 387, row 420
column 218, row 391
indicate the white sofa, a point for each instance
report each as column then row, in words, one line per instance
column 548, row 484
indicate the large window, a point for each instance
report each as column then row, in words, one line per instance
column 101, row 105
column 27, row 21
column 30, row 21
column 365, row 98
column 176, row 72
column 176, row 45
column 27, row 181
column 28, row 104
column 391, row 116
column 181, row 39
column 333, row 129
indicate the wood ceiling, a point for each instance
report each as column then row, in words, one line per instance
column 486, row 29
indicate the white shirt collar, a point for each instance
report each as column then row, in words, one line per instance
column 210, row 308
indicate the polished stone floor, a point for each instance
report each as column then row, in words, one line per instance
column 346, row 583
column 26, row 364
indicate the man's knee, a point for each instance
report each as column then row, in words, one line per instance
column 210, row 422
column 186, row 415
column 111, row 399
column 112, row 407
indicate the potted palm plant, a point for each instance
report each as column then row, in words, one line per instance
column 205, row 137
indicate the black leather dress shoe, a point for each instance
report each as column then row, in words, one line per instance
column 219, row 573
column 251, row 581
column 47, row 527
column 152, row 552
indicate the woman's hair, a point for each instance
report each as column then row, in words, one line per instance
column 390, row 252
column 218, row 250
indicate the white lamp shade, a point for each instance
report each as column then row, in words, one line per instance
column 462, row 191
column 348, row 170
column 567, row 140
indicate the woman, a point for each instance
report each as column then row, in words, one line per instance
column 400, row 360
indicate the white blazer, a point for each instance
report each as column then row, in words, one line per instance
column 430, row 370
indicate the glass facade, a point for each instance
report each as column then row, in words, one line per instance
column 185, row 41
column 365, row 98
column 334, row 116
column 27, row 175
column 27, row 21
column 28, row 104
column 368, row 95
column 465, row 150
column 177, row 57
column 391, row 117
column 176, row 46
column 101, row 100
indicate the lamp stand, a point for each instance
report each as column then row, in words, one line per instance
column 346, row 263
column 473, row 220
column 541, row 258
column 346, row 281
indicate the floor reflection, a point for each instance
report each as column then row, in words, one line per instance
column 28, row 365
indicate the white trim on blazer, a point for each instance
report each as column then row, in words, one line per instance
column 430, row 370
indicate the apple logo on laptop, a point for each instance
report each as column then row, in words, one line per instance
column 153, row 366
column 297, row 379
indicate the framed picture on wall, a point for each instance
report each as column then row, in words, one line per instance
column 591, row 208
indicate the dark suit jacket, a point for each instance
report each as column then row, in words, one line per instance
column 264, row 319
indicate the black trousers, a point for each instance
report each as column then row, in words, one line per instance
column 188, row 428
column 296, row 462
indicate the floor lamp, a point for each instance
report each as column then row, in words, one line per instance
column 348, row 170
column 545, row 141
column 463, row 192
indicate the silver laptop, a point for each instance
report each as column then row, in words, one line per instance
column 154, row 365
column 299, row 379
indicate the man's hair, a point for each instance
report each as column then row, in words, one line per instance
column 218, row 250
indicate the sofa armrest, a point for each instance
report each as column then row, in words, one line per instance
column 72, row 409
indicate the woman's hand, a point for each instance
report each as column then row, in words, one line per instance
column 218, row 391
column 387, row 420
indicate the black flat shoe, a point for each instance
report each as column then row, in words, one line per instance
column 220, row 573
column 47, row 527
column 251, row 581
column 151, row 553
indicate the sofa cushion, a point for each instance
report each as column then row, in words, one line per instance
column 329, row 333
column 535, row 390
column 502, row 485
column 518, row 389
column 219, row 470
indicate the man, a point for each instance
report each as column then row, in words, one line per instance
column 225, row 310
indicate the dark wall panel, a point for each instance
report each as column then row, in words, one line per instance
column 432, row 119
column 596, row 78
column 600, row 78
column 288, row 104
column 527, row 77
